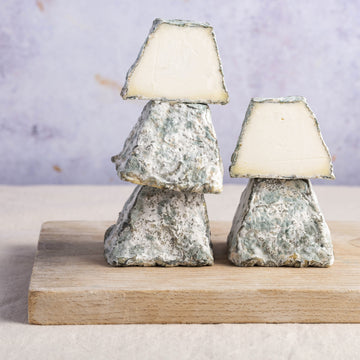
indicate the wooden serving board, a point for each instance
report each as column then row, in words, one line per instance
column 72, row 284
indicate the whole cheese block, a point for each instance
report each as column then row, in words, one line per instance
column 281, row 138
column 160, row 227
column 179, row 61
column 279, row 223
column 173, row 146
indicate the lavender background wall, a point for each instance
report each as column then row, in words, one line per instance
column 62, row 65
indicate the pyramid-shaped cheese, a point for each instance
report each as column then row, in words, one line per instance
column 279, row 223
column 179, row 61
column 172, row 146
column 160, row 227
column 280, row 138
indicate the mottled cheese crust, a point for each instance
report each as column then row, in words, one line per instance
column 279, row 223
column 160, row 227
column 173, row 146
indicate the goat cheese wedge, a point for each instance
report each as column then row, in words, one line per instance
column 281, row 138
column 180, row 62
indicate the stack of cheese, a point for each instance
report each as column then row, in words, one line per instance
column 278, row 221
column 172, row 152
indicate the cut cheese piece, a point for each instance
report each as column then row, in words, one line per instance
column 179, row 61
column 280, row 138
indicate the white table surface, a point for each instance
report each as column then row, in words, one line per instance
column 22, row 211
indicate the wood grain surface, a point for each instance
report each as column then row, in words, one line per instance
column 72, row 284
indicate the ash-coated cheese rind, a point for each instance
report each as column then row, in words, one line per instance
column 173, row 146
column 279, row 223
column 160, row 227
column 281, row 138
column 179, row 61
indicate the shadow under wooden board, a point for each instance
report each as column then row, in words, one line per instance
column 72, row 284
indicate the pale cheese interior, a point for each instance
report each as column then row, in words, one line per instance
column 282, row 140
column 179, row 62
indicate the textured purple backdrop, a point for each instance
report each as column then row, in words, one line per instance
column 62, row 65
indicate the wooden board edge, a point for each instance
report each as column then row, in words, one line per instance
column 185, row 307
column 32, row 296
